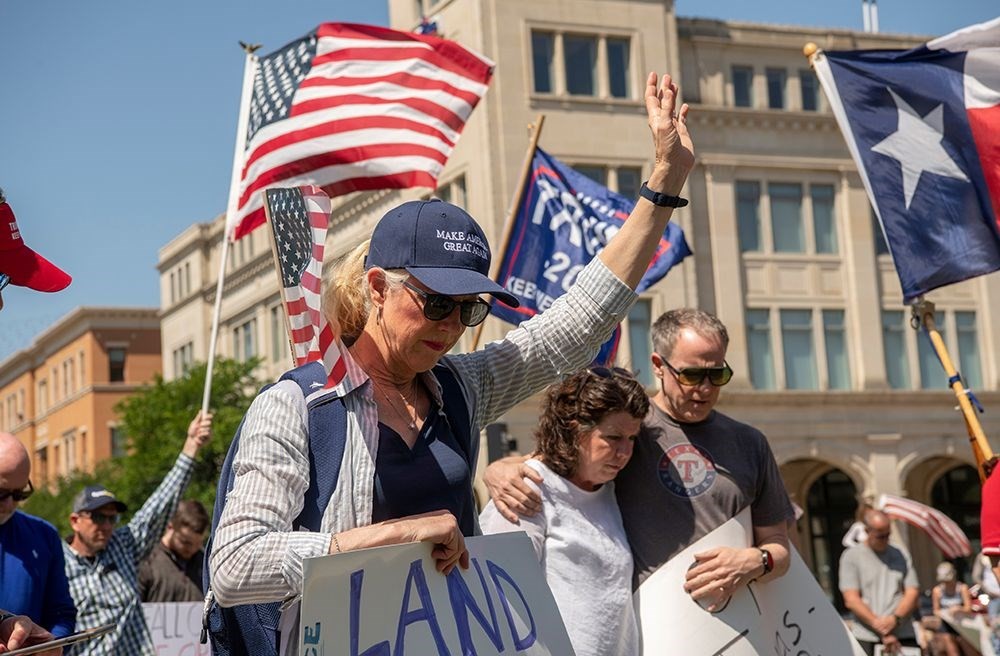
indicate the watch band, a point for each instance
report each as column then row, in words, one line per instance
column 767, row 560
column 661, row 200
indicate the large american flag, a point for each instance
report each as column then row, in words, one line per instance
column 352, row 107
column 943, row 532
column 299, row 218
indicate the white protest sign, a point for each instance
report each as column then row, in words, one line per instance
column 176, row 628
column 391, row 600
column 788, row 616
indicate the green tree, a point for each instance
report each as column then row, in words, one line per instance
column 155, row 421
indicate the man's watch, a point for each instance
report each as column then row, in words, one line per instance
column 899, row 620
column 4, row 616
column 661, row 200
column 767, row 560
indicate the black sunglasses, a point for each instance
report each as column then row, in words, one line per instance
column 438, row 307
column 691, row 376
column 611, row 372
column 103, row 518
column 4, row 280
column 17, row 495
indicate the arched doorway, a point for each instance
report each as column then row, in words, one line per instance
column 958, row 495
column 832, row 505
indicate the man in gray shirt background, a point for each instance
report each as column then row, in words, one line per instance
column 880, row 588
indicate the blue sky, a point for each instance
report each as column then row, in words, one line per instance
column 117, row 120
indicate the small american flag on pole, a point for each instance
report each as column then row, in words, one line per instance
column 943, row 532
column 355, row 107
column 299, row 218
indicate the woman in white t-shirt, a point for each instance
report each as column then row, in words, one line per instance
column 585, row 435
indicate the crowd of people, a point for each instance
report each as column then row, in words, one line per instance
column 620, row 483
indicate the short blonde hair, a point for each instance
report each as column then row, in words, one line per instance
column 346, row 298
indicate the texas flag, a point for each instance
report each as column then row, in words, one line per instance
column 923, row 126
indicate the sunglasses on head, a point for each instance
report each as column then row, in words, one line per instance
column 4, row 280
column 17, row 495
column 691, row 376
column 438, row 307
column 610, row 372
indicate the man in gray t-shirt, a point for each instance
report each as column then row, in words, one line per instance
column 880, row 587
column 692, row 470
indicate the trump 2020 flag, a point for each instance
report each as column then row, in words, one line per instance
column 563, row 221
column 923, row 126
column 299, row 218
column 354, row 107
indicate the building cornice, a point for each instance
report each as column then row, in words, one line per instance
column 717, row 32
column 78, row 322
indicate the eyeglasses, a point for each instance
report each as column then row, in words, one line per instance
column 880, row 535
column 17, row 495
column 4, row 280
column 691, row 376
column 438, row 307
column 610, row 372
column 104, row 518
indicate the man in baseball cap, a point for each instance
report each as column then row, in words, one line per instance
column 19, row 265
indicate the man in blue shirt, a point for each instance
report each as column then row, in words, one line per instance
column 32, row 567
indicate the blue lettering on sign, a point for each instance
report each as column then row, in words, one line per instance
column 423, row 614
column 462, row 604
column 496, row 573
column 461, row 600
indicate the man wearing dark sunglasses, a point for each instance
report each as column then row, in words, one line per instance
column 19, row 265
column 693, row 469
column 32, row 567
column 103, row 556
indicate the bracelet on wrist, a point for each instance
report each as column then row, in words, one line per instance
column 661, row 200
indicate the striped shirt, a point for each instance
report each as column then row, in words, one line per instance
column 257, row 558
column 105, row 588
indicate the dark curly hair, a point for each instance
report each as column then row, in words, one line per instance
column 576, row 405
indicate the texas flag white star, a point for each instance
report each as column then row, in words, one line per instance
column 916, row 145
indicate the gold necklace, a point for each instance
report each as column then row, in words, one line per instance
column 406, row 416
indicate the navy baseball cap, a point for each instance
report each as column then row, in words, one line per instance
column 93, row 497
column 440, row 245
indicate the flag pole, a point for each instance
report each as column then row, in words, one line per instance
column 536, row 132
column 923, row 315
column 249, row 72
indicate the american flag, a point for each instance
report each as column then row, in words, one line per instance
column 299, row 218
column 943, row 532
column 352, row 107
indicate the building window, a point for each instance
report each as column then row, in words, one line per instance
column 759, row 349
column 932, row 376
column 55, row 385
column 69, row 451
column 639, row 324
column 83, row 377
column 453, row 192
column 618, row 68
column 881, row 247
column 598, row 174
column 277, row 334
column 42, row 465
column 824, row 224
column 581, row 58
column 838, row 370
column 797, row 347
column 786, row 217
column 776, row 88
column 183, row 359
column 542, row 54
column 897, row 365
column 187, row 276
column 748, row 215
column 119, row 443
column 810, row 90
column 743, row 86
column 245, row 340
column 42, row 402
column 116, row 365
column 629, row 181
column 173, row 288
column 968, row 349
column 69, row 377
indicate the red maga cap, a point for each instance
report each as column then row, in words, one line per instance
column 990, row 528
column 24, row 266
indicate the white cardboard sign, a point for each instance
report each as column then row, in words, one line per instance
column 391, row 600
column 789, row 616
column 176, row 628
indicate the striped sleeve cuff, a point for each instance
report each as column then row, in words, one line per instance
column 606, row 290
column 302, row 545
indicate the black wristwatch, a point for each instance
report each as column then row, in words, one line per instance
column 661, row 200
